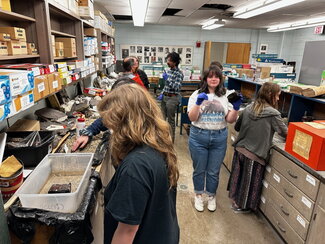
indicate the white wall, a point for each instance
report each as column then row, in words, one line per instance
column 294, row 44
column 188, row 35
column 288, row 45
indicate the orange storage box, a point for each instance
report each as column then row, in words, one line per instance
column 307, row 143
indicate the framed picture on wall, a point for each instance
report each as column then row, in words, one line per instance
column 263, row 48
column 148, row 54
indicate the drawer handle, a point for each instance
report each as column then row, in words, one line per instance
column 292, row 175
column 285, row 212
column 288, row 193
column 283, row 230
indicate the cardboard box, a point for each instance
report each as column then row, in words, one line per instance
column 307, row 144
column 90, row 32
column 59, row 52
column 67, row 42
column 6, row 5
column 78, row 63
column 70, row 52
column 23, row 47
column 15, row 33
column 4, row 37
column 262, row 72
column 73, row 6
column 25, row 125
column 23, row 101
column 86, row 3
column 31, row 45
column 5, row 110
column 59, row 45
column 87, row 12
column 36, row 68
column 21, row 81
column 248, row 72
column 55, row 82
column 41, row 87
column 14, row 47
column 3, row 49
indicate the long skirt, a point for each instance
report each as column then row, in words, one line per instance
column 245, row 182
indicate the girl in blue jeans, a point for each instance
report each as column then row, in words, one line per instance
column 209, row 111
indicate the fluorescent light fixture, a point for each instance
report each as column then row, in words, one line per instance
column 139, row 11
column 297, row 25
column 263, row 7
column 213, row 24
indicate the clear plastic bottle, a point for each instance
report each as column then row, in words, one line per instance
column 81, row 124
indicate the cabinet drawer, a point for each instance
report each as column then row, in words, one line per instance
column 264, row 196
column 297, row 222
column 295, row 174
column 321, row 196
column 292, row 194
column 288, row 234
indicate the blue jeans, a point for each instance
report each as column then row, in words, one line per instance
column 208, row 149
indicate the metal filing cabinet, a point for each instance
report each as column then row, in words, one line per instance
column 291, row 197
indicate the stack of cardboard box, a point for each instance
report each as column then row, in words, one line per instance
column 86, row 9
column 14, row 38
column 69, row 46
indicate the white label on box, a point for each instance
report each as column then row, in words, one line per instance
column 268, row 169
column 51, row 68
column 301, row 221
column 55, row 84
column 266, row 185
column 41, row 87
column 276, row 177
column 263, row 199
column 92, row 92
column 306, row 202
column 24, row 101
column 15, row 87
column 311, row 180
column 2, row 95
column 36, row 71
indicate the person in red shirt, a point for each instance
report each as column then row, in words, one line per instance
column 130, row 66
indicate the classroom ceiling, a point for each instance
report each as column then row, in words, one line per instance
column 194, row 12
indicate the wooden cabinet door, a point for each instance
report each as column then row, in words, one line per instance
column 316, row 233
column 207, row 55
column 238, row 53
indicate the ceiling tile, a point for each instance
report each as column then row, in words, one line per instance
column 185, row 4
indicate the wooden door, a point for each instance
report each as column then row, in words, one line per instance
column 207, row 55
column 238, row 53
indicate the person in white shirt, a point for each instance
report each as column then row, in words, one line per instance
column 209, row 111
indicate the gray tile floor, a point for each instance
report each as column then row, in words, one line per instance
column 221, row 226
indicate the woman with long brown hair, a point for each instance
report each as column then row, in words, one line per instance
column 210, row 111
column 256, row 125
column 140, row 200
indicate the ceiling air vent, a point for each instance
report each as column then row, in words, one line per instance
column 122, row 17
column 171, row 11
column 215, row 6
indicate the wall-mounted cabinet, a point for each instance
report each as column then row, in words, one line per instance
column 291, row 105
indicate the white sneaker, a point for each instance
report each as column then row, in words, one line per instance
column 212, row 206
column 198, row 203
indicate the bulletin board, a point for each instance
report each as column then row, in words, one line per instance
column 148, row 54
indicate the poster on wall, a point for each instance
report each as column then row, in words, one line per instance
column 148, row 54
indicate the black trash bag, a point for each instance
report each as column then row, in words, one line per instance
column 101, row 149
column 69, row 228
column 23, row 228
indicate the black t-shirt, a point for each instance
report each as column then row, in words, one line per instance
column 139, row 194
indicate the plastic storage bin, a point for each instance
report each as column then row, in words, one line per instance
column 30, row 156
column 29, row 192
